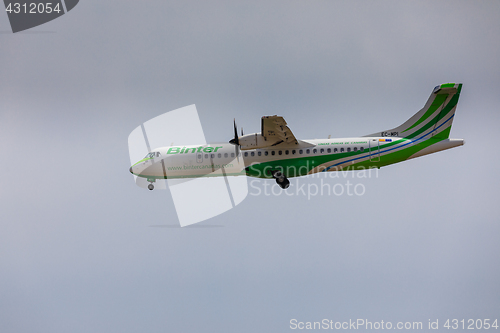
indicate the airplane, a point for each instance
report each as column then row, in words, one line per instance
column 275, row 153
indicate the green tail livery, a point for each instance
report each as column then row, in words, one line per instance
column 275, row 153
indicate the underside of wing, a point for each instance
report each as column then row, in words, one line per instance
column 274, row 129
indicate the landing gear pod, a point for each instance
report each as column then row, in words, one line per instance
column 281, row 180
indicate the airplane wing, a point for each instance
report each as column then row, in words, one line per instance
column 274, row 128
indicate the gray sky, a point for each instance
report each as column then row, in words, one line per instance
column 83, row 249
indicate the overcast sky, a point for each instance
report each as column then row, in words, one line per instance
column 83, row 249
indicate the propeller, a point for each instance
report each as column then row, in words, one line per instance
column 242, row 131
column 235, row 141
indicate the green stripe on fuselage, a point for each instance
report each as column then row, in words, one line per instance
column 301, row 166
column 143, row 160
column 399, row 155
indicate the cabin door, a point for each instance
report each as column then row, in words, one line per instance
column 374, row 150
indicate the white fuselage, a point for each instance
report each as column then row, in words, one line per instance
column 316, row 155
column 206, row 160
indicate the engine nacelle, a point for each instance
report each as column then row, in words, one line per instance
column 254, row 141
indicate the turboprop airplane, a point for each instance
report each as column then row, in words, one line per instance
column 275, row 153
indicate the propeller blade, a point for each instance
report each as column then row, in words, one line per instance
column 235, row 129
column 242, row 131
column 235, row 140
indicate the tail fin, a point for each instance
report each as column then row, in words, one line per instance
column 434, row 119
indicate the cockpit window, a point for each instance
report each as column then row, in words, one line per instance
column 152, row 155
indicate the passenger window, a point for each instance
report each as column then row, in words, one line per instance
column 329, row 150
column 301, row 152
column 246, row 154
column 212, row 155
column 307, row 151
column 266, row 153
column 321, row 150
column 199, row 156
column 335, row 150
column 273, row 152
column 293, row 152
column 315, row 151
column 349, row 149
column 206, row 155
column 252, row 154
column 362, row 148
column 286, row 152
column 355, row 149
column 259, row 153
column 219, row 155
column 341, row 150
column 280, row 152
